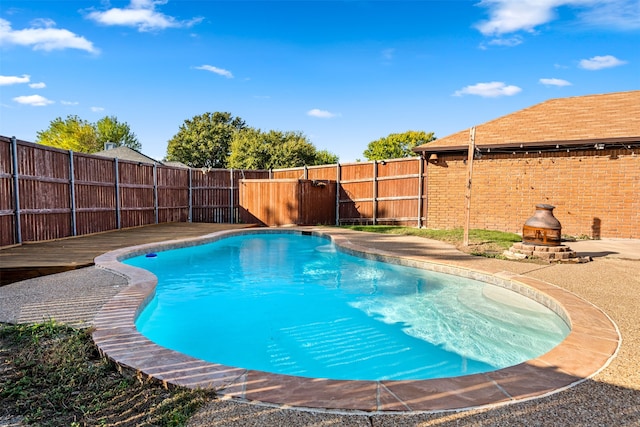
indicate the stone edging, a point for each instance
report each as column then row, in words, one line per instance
column 589, row 347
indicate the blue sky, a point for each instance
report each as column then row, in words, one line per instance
column 344, row 73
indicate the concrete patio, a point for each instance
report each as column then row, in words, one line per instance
column 610, row 282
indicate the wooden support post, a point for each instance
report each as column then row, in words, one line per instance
column 190, row 196
column 420, row 189
column 155, row 193
column 72, row 194
column 375, row 192
column 338, row 174
column 231, row 201
column 467, row 196
column 16, row 190
column 116, row 172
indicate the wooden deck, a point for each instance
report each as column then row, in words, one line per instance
column 38, row 259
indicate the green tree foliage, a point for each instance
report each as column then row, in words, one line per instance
column 110, row 130
column 73, row 133
column 205, row 140
column 324, row 157
column 397, row 145
column 82, row 136
column 254, row 149
column 250, row 150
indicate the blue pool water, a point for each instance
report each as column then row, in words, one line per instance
column 292, row 304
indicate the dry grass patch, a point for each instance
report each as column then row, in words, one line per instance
column 53, row 375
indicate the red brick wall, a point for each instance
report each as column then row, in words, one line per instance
column 596, row 193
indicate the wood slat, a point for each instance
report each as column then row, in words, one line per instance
column 37, row 259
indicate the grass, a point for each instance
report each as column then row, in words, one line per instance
column 53, row 375
column 487, row 243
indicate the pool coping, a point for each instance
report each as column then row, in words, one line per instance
column 590, row 346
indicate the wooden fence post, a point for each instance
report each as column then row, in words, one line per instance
column 155, row 192
column 231, row 196
column 117, row 179
column 338, row 173
column 16, row 189
column 72, row 194
column 420, row 190
column 375, row 191
column 190, row 196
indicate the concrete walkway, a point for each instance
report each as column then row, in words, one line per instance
column 609, row 248
column 611, row 282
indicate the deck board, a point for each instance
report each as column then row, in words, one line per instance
column 31, row 260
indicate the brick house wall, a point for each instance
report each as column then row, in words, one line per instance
column 596, row 192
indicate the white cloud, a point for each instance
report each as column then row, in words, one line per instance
column 508, row 42
column 43, row 23
column 216, row 70
column 42, row 36
column 510, row 16
column 619, row 14
column 388, row 54
column 39, row 85
column 141, row 14
column 97, row 109
column 14, row 80
column 489, row 90
column 33, row 100
column 554, row 82
column 321, row 114
column 600, row 62
column 69, row 102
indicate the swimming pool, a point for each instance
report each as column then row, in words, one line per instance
column 292, row 304
column 590, row 346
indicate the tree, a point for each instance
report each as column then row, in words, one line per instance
column 81, row 136
column 397, row 145
column 205, row 140
column 110, row 130
column 250, row 150
column 290, row 150
column 73, row 133
column 254, row 149
column 324, row 157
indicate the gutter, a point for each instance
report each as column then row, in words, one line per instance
column 586, row 144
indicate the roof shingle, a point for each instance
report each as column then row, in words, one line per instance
column 125, row 153
column 613, row 116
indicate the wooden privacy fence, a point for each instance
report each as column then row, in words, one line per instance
column 47, row 193
column 379, row 192
column 276, row 202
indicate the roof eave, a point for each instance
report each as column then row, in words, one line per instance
column 634, row 140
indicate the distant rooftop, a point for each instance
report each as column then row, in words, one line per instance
column 126, row 153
